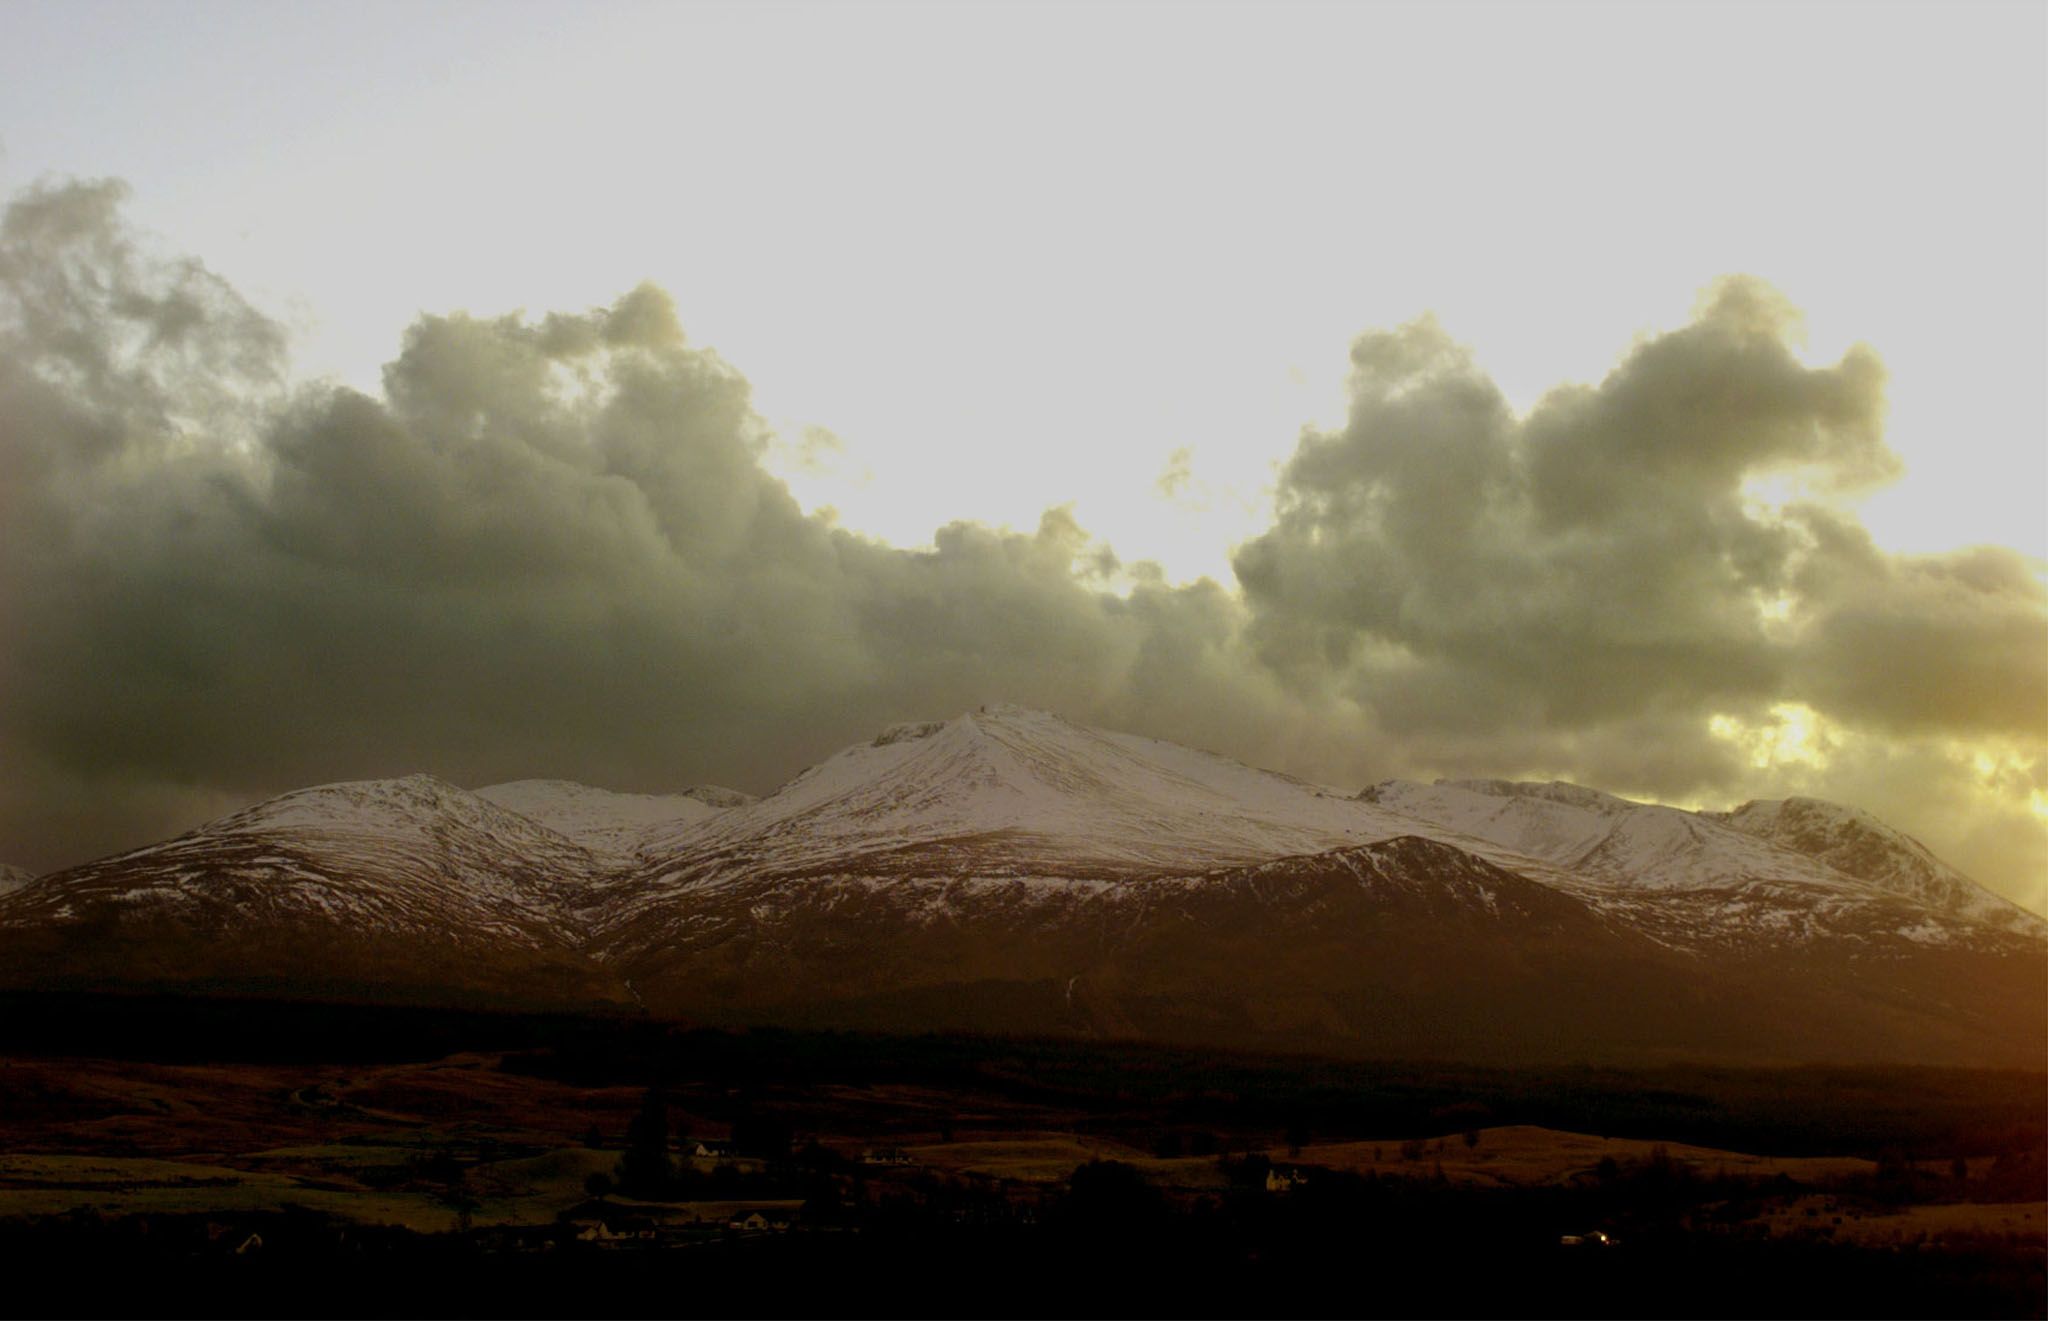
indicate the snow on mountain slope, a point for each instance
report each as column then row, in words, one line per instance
column 1405, row 947
column 1594, row 835
column 415, row 855
column 1009, row 791
column 1854, row 843
column 13, row 878
column 979, row 865
column 1247, row 934
column 411, row 889
column 1006, row 792
column 606, row 821
column 1702, row 880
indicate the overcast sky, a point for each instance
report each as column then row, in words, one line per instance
column 1644, row 395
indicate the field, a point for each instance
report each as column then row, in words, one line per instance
column 510, row 1157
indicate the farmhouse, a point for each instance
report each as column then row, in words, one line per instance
column 594, row 1229
column 1284, row 1178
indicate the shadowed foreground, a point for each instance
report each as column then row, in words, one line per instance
column 183, row 1158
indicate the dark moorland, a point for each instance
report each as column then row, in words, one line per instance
column 168, row 1156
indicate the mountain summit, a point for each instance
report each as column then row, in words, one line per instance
column 1024, row 792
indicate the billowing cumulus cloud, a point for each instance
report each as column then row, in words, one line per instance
column 548, row 546
column 1588, row 587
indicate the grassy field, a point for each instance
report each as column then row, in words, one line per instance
column 1015, row 1150
column 131, row 1135
column 1524, row 1156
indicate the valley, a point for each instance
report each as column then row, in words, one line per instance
column 802, row 1168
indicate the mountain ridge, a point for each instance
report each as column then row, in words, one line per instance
column 1009, row 870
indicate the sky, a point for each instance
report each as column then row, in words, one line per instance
column 1648, row 396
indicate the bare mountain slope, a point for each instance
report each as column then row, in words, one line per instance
column 1403, row 947
column 1388, row 946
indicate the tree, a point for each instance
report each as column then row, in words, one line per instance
column 1250, row 1172
column 760, row 1133
column 645, row 1170
column 816, row 1156
column 463, row 1203
column 822, row 1203
column 1109, row 1195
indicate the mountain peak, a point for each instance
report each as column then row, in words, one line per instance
column 1854, row 843
column 908, row 732
column 349, row 803
column 1009, row 848
column 1049, row 796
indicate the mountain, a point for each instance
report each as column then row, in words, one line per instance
column 1007, row 870
column 1761, row 877
column 1025, row 793
column 411, row 890
column 1401, row 946
column 1856, row 844
column 609, row 822
column 13, row 878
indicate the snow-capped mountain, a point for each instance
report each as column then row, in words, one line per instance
column 383, row 885
column 1035, row 795
column 1856, row 844
column 1005, row 792
column 1009, row 870
column 1763, row 875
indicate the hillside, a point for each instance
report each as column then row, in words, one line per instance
column 1010, row 871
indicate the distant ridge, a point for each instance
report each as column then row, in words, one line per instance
column 1007, row 870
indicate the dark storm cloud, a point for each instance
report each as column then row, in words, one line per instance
column 549, row 547
column 1950, row 643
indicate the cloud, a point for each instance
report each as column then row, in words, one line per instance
column 1177, row 474
column 549, row 546
column 1598, row 570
